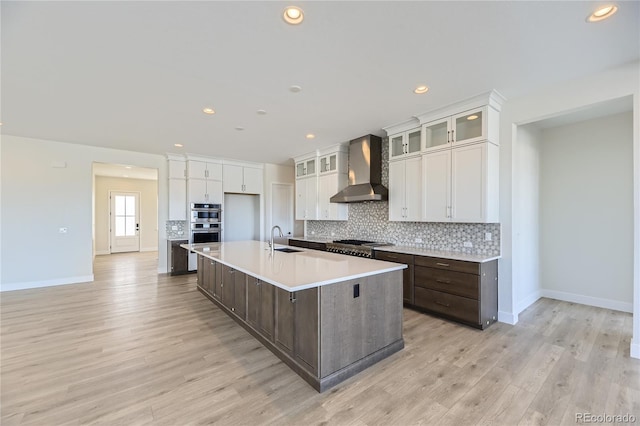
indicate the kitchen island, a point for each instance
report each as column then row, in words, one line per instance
column 327, row 316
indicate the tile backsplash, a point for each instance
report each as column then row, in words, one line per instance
column 180, row 231
column 369, row 220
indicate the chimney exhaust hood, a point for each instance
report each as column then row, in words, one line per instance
column 365, row 172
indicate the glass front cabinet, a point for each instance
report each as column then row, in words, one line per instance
column 405, row 144
column 306, row 167
column 460, row 129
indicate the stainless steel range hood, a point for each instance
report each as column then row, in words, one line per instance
column 365, row 172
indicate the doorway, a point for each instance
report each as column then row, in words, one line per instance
column 124, row 214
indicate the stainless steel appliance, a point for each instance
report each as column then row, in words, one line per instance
column 365, row 172
column 205, row 213
column 206, row 227
column 360, row 248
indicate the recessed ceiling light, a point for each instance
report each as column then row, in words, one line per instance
column 208, row 111
column 126, row 175
column 420, row 90
column 310, row 136
column 602, row 13
column 178, row 145
column 239, row 128
column 293, row 15
column 127, row 167
column 295, row 89
column 472, row 117
column 261, row 112
column 0, row 124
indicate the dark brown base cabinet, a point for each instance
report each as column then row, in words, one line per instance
column 308, row 244
column 178, row 257
column 462, row 291
column 325, row 334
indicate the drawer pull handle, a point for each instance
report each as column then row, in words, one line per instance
column 443, row 281
column 442, row 264
column 446, row 305
column 392, row 257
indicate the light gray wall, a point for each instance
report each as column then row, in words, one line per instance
column 586, row 212
column 148, row 190
column 527, row 249
column 38, row 199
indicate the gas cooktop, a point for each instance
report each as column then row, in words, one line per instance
column 360, row 248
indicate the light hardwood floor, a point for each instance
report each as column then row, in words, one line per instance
column 135, row 347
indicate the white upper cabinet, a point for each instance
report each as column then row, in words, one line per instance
column 242, row 179
column 328, row 186
column 405, row 144
column 405, row 190
column 177, row 169
column 177, row 189
column 204, row 170
column 306, row 167
column 461, row 184
column 307, row 198
column 467, row 127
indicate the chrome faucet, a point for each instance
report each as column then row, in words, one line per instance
column 271, row 245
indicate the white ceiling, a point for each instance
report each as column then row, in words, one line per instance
column 136, row 75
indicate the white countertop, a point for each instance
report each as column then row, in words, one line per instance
column 453, row 255
column 291, row 271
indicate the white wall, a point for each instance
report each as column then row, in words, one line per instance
column 241, row 217
column 552, row 101
column 274, row 173
column 38, row 199
column 526, row 256
column 586, row 212
column 148, row 190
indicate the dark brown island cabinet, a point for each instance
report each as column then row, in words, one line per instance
column 462, row 291
column 178, row 257
column 325, row 334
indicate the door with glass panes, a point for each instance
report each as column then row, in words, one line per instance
column 124, row 221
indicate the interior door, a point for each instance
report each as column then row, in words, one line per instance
column 125, row 221
column 282, row 209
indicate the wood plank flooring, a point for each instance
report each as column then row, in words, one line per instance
column 135, row 347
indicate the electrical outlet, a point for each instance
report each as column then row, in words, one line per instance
column 467, row 244
column 487, row 236
column 418, row 240
column 62, row 230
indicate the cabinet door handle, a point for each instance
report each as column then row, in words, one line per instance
column 292, row 297
column 453, row 139
column 448, row 136
column 446, row 305
column 440, row 280
column 206, row 173
column 442, row 264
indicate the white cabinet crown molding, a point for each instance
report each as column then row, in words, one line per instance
column 243, row 163
column 401, row 127
column 341, row 147
column 493, row 99
column 203, row 158
column 176, row 157
column 306, row 156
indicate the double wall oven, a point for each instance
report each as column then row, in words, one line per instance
column 206, row 227
column 206, row 223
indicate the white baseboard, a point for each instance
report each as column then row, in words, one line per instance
column 635, row 349
column 528, row 301
column 588, row 300
column 102, row 252
column 507, row 317
column 47, row 283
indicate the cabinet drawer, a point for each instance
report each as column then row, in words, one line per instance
column 457, row 283
column 394, row 257
column 452, row 265
column 317, row 246
column 298, row 243
column 457, row 307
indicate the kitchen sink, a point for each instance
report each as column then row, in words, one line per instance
column 287, row 250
